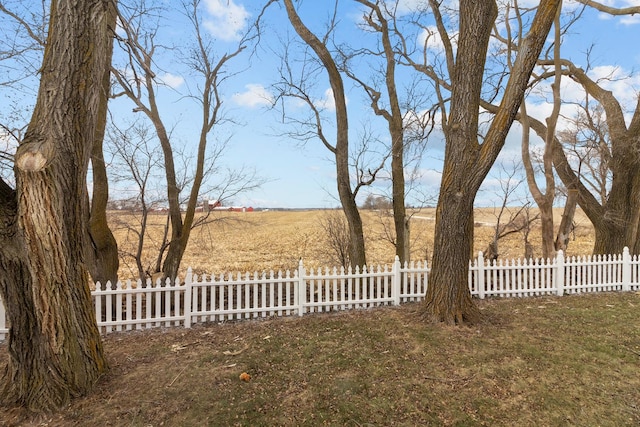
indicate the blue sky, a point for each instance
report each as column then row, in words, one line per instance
column 302, row 175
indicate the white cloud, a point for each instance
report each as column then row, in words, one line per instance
column 328, row 102
column 171, row 80
column 617, row 80
column 430, row 177
column 431, row 37
column 228, row 19
column 407, row 6
column 612, row 78
column 630, row 20
column 255, row 95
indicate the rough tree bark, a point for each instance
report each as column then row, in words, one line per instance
column 467, row 162
column 55, row 349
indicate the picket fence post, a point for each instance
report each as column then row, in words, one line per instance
column 480, row 270
column 188, row 280
column 626, row 270
column 559, row 276
column 3, row 317
column 396, row 281
column 302, row 288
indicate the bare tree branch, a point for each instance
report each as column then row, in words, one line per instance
column 616, row 11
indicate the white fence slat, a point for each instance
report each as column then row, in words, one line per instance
column 138, row 304
column 4, row 330
column 125, row 305
column 188, row 294
column 129, row 306
column 118, row 306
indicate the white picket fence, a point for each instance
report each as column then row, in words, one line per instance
column 138, row 305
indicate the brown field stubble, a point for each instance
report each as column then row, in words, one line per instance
column 277, row 240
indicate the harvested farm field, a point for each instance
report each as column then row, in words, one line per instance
column 279, row 239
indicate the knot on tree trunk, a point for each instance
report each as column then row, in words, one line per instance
column 34, row 155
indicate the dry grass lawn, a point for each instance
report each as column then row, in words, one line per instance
column 548, row 361
column 545, row 361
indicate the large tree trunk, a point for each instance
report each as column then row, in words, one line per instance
column 467, row 162
column 172, row 261
column 448, row 298
column 619, row 226
column 55, row 349
column 616, row 221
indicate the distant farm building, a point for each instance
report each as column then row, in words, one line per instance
column 216, row 205
column 237, row 209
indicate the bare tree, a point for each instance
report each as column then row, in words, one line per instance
column 24, row 25
column 21, row 48
column 55, row 350
column 509, row 220
column 376, row 19
column 617, row 219
column 542, row 161
column 340, row 149
column 137, row 160
column 586, row 142
column 545, row 199
column 139, row 82
column 615, row 216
